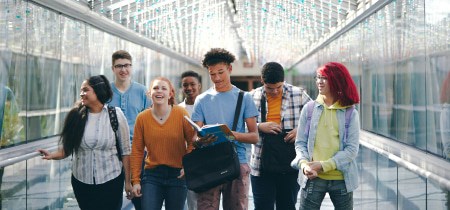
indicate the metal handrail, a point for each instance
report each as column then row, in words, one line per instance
column 422, row 163
column 21, row 158
column 12, row 155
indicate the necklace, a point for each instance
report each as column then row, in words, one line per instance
column 161, row 117
column 164, row 115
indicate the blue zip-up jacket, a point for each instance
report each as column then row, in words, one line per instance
column 345, row 158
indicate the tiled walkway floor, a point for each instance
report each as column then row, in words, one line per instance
column 326, row 204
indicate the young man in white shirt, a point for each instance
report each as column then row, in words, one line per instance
column 190, row 84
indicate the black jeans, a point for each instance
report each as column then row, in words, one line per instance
column 106, row 196
column 275, row 188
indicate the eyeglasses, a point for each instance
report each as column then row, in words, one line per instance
column 322, row 78
column 119, row 67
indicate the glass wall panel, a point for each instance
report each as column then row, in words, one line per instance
column 412, row 190
column 400, row 80
column 368, row 179
column 13, row 186
column 94, row 57
column 36, row 184
column 47, row 183
column 12, row 72
column 438, row 77
column 410, row 109
column 44, row 58
column 43, row 71
column 357, row 194
column 386, row 183
column 437, row 196
column 72, row 59
column 140, row 63
column 400, row 56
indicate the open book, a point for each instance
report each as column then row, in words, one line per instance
column 221, row 131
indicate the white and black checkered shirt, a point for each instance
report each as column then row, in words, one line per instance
column 293, row 99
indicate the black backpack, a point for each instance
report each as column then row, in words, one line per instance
column 115, row 126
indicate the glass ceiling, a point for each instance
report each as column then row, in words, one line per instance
column 263, row 30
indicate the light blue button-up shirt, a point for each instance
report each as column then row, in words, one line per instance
column 132, row 102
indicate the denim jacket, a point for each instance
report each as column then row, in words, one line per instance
column 345, row 159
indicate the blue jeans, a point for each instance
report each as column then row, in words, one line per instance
column 275, row 188
column 161, row 184
column 312, row 195
column 137, row 200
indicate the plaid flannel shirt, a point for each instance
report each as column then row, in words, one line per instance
column 293, row 99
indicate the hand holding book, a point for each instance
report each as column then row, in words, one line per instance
column 221, row 131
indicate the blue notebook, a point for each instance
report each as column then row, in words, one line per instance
column 221, row 131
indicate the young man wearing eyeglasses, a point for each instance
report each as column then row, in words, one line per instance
column 130, row 96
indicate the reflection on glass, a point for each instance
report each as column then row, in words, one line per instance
column 400, row 88
column 48, row 184
column 72, row 56
column 13, row 182
column 10, row 122
column 437, row 196
column 43, row 71
column 386, row 183
column 369, row 178
column 445, row 117
column 412, row 194
column 12, row 31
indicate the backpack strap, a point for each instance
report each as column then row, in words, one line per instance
column 348, row 114
column 263, row 108
column 115, row 126
column 238, row 110
column 308, row 121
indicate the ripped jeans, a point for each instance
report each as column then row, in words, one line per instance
column 312, row 195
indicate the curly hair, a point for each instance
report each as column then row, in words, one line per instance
column 217, row 55
column 190, row 73
column 272, row 73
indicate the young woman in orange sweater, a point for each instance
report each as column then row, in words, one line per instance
column 167, row 137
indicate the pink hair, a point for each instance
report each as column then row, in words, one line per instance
column 341, row 83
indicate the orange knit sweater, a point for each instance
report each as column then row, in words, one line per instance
column 166, row 143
